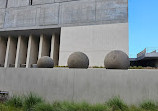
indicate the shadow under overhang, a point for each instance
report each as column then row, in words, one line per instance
column 35, row 32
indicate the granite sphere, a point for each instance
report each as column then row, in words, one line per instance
column 116, row 60
column 45, row 62
column 78, row 60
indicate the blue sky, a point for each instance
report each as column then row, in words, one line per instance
column 143, row 25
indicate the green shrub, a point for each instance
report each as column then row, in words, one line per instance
column 140, row 67
column 62, row 66
column 31, row 100
column 117, row 104
column 4, row 107
column 15, row 101
column 69, row 106
column 57, row 106
column 43, row 107
column 99, row 107
column 149, row 105
column 134, row 108
column 136, row 67
column 97, row 67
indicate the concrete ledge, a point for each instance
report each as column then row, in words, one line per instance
column 91, row 85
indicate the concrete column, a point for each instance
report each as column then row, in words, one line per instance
column 21, row 51
column 3, row 47
column 32, row 52
column 10, row 52
column 55, row 43
column 44, row 46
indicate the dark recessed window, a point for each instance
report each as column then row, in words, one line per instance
column 30, row 2
column 6, row 3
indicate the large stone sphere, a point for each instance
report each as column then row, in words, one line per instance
column 78, row 60
column 116, row 60
column 45, row 62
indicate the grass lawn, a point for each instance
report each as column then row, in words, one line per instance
column 33, row 102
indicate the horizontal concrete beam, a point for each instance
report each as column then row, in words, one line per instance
column 91, row 85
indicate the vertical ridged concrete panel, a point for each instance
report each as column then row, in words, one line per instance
column 11, row 52
column 3, row 47
column 44, row 46
column 20, row 17
column 17, row 3
column 32, row 51
column 3, row 3
column 21, row 53
column 77, row 12
column 112, row 10
column 2, row 16
column 48, row 14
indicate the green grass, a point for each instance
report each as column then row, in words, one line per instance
column 149, row 105
column 117, row 104
column 4, row 107
column 43, row 107
column 32, row 102
column 136, row 67
column 15, row 101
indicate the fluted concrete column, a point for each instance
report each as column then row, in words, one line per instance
column 11, row 52
column 3, row 47
column 44, row 46
column 32, row 52
column 55, row 43
column 21, row 51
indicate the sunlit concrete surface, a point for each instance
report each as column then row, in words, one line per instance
column 91, row 85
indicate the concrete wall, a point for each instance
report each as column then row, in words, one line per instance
column 95, row 41
column 3, row 3
column 91, row 85
column 17, row 3
column 2, row 17
column 105, row 24
column 60, row 13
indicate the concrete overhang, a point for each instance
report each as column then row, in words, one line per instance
column 35, row 32
column 147, row 56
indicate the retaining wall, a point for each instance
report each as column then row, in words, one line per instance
column 91, row 85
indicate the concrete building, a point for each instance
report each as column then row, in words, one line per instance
column 145, row 58
column 30, row 29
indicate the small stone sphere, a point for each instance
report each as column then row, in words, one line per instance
column 45, row 62
column 116, row 60
column 78, row 60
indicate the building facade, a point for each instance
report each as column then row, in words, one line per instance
column 146, row 58
column 30, row 29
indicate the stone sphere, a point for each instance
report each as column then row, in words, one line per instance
column 116, row 60
column 78, row 60
column 45, row 62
